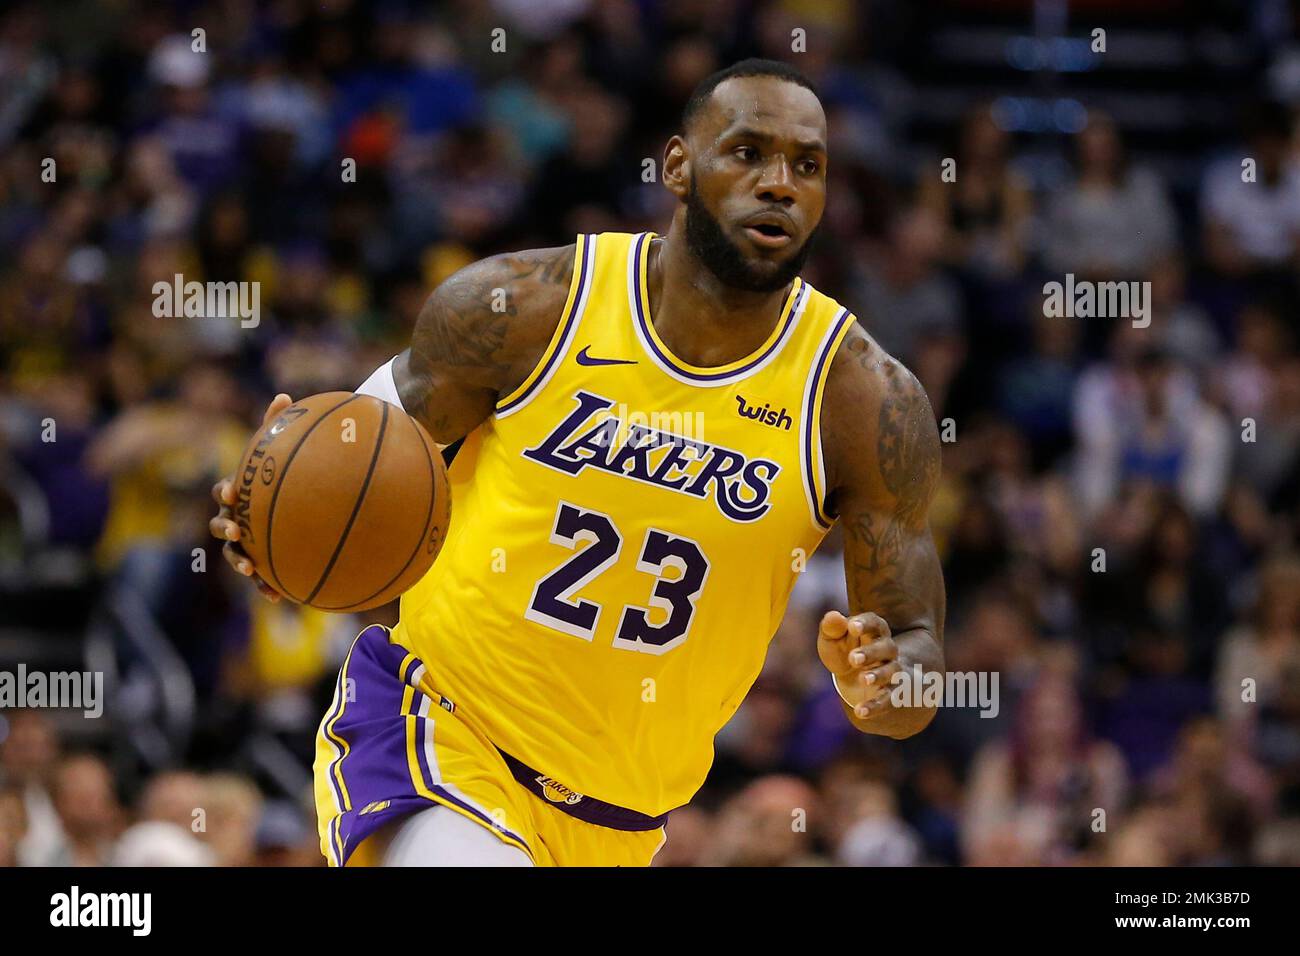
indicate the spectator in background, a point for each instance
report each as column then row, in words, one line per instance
column 151, row 201
column 45, row 322
column 1140, row 417
column 688, row 834
column 1159, row 586
column 1114, row 219
column 1246, row 380
column 901, row 293
column 1277, row 842
column 847, row 789
column 1036, row 511
column 234, row 807
column 172, row 796
column 1278, row 732
column 70, row 126
column 996, row 632
column 289, row 649
column 1035, row 390
column 13, row 823
column 84, row 797
column 1011, row 524
column 986, row 210
column 1183, row 328
column 529, row 105
column 204, row 144
column 1250, row 213
column 979, row 552
column 1215, row 793
column 1270, row 464
column 29, row 753
column 27, row 69
column 940, row 356
column 877, row 835
column 755, row 741
column 936, row 801
column 160, row 844
column 1031, row 799
column 274, row 100
column 766, row 824
column 1181, row 446
column 75, row 501
column 161, row 458
column 224, row 242
column 1256, row 653
column 467, row 188
column 1149, row 697
column 1143, row 837
column 1277, row 28
column 285, row 837
column 581, row 187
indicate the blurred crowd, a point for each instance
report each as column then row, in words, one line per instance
column 1119, row 516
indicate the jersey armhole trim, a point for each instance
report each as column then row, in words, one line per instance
column 811, row 461
column 579, row 287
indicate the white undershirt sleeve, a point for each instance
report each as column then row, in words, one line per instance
column 381, row 384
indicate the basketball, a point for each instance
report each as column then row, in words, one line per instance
column 343, row 501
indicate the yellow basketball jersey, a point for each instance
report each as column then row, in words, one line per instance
column 626, row 530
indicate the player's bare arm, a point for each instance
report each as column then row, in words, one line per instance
column 478, row 336
column 883, row 458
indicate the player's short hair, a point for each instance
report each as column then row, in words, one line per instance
column 753, row 66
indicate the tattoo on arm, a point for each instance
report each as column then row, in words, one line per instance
column 459, row 329
column 479, row 334
column 890, row 560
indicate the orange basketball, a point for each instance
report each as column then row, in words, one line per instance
column 342, row 501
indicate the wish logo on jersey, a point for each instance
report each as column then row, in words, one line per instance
column 592, row 437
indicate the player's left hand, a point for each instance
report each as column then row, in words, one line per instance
column 862, row 657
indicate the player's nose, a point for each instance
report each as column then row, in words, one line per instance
column 776, row 184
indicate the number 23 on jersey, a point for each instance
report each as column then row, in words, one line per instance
column 675, row 570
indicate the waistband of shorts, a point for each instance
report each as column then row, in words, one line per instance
column 578, row 805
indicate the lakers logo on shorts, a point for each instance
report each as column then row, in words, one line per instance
column 375, row 806
column 557, row 792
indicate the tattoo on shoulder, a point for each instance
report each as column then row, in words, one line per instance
column 550, row 266
column 906, row 439
column 470, row 324
column 458, row 327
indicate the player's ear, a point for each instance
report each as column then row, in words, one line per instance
column 677, row 167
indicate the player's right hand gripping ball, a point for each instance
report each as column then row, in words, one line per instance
column 342, row 501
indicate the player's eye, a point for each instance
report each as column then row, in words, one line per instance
column 809, row 167
column 747, row 152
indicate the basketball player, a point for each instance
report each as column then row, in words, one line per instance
column 613, row 574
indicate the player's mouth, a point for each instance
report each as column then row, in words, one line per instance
column 769, row 231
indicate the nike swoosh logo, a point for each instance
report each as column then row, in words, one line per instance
column 585, row 359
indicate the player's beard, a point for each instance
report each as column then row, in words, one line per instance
column 709, row 243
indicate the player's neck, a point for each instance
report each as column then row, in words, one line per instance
column 702, row 321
